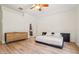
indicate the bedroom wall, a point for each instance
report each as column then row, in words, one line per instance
column 14, row 21
column 0, row 23
column 77, row 41
column 63, row 21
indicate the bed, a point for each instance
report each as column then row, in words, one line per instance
column 56, row 40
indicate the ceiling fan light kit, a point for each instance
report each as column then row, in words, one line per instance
column 39, row 6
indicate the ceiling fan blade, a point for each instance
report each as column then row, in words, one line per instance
column 44, row 5
column 31, row 7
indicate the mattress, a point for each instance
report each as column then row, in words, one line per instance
column 50, row 40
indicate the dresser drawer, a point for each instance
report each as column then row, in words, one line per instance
column 10, row 38
column 10, row 34
column 14, row 36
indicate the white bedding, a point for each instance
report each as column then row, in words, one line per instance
column 50, row 40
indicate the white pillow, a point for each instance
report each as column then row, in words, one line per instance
column 48, row 33
column 57, row 35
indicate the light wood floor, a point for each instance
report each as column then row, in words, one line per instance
column 31, row 47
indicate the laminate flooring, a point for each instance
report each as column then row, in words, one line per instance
column 31, row 47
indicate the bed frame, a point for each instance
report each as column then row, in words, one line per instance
column 66, row 38
column 52, row 45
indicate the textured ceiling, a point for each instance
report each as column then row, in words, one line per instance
column 53, row 8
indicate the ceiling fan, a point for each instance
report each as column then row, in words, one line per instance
column 39, row 6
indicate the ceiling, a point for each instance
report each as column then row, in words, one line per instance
column 51, row 9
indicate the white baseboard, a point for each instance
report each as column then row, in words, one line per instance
column 3, row 42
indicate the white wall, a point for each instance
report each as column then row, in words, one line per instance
column 59, row 22
column 14, row 21
column 0, row 23
column 77, row 41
